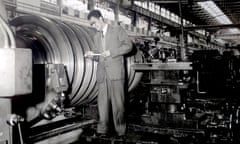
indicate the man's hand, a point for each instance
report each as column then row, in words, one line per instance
column 106, row 53
column 89, row 54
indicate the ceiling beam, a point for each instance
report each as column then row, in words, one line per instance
column 228, row 3
column 228, row 36
column 213, row 26
column 207, row 0
column 165, row 2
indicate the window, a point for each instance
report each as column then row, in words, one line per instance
column 157, row 9
column 151, row 6
column 167, row 14
column 144, row 5
column 138, row 3
column 51, row 1
column 163, row 12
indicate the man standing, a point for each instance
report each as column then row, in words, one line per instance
column 112, row 43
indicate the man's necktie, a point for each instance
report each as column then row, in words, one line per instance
column 103, row 40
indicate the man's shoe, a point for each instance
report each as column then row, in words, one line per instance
column 121, row 137
column 102, row 135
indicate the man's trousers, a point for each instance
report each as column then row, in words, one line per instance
column 111, row 98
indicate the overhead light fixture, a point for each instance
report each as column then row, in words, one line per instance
column 217, row 14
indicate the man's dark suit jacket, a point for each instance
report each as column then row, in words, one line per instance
column 118, row 43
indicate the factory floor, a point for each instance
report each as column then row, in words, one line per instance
column 132, row 137
column 140, row 133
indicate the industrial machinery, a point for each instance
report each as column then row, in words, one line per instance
column 194, row 102
column 48, row 89
column 50, row 78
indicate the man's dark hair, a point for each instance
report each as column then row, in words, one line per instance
column 94, row 13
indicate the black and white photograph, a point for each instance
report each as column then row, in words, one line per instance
column 119, row 72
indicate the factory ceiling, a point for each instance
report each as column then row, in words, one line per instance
column 220, row 17
column 197, row 11
column 192, row 10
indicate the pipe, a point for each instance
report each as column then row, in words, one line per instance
column 3, row 12
column 5, row 30
column 61, row 129
column 9, row 32
column 5, row 37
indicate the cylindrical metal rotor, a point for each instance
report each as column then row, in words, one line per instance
column 57, row 42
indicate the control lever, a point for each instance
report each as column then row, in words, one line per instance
column 20, row 132
column 16, row 120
